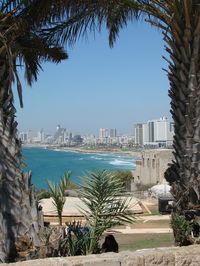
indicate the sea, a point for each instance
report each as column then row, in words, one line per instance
column 47, row 164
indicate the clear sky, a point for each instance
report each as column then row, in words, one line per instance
column 101, row 87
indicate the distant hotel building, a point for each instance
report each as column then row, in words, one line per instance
column 157, row 132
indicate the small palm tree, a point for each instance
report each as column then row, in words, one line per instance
column 57, row 193
column 104, row 208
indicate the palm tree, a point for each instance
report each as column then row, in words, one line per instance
column 31, row 32
column 104, row 207
column 57, row 193
column 21, row 43
column 179, row 21
column 28, row 36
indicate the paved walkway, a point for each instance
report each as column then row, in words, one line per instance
column 129, row 230
column 154, row 218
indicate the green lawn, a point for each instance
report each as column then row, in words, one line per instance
column 142, row 241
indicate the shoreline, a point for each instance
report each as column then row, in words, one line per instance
column 136, row 154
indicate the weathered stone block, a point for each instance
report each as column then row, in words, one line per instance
column 187, row 256
column 134, row 261
column 187, row 260
column 160, row 258
column 129, row 258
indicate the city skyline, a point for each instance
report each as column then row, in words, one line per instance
column 101, row 86
column 107, row 130
column 158, row 132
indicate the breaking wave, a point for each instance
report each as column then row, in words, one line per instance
column 122, row 163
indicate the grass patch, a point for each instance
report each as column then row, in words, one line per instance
column 142, row 241
column 154, row 211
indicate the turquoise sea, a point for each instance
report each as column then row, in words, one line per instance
column 52, row 164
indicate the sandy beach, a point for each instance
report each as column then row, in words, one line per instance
column 83, row 149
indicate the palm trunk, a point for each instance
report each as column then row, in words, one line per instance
column 184, row 76
column 18, row 212
column 60, row 218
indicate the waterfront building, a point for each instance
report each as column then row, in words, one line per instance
column 103, row 136
column 103, row 133
column 138, row 134
column 145, row 134
column 62, row 136
column 159, row 132
column 151, row 130
column 40, row 136
column 125, row 140
column 23, row 137
column 113, row 133
column 90, row 140
column 48, row 139
column 77, row 140
column 154, row 133
column 29, row 136
column 170, row 134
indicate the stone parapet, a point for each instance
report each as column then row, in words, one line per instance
column 173, row 256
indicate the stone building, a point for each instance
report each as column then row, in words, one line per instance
column 150, row 168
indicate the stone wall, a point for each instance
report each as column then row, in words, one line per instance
column 174, row 256
column 151, row 166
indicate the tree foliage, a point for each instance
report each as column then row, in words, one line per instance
column 77, row 240
column 125, row 176
column 104, row 206
column 57, row 192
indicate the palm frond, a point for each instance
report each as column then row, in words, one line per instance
column 32, row 50
column 104, row 206
column 83, row 17
column 57, row 192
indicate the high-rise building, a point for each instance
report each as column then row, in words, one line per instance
column 29, row 136
column 113, row 133
column 171, row 127
column 23, row 136
column 138, row 134
column 145, row 133
column 62, row 135
column 151, row 130
column 154, row 132
column 103, row 133
column 161, row 129
column 40, row 136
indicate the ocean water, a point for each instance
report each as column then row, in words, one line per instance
column 52, row 164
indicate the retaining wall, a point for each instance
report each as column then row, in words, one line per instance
column 174, row 256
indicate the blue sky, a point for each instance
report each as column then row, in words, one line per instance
column 101, row 87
